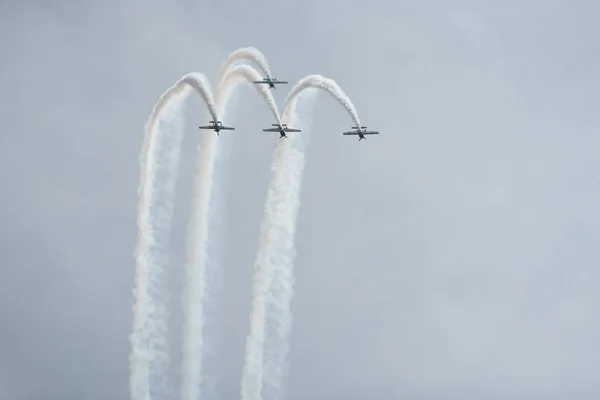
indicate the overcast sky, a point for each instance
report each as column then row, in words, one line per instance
column 454, row 256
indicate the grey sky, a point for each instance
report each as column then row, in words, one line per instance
column 453, row 256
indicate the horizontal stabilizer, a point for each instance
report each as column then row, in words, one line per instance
column 356, row 127
column 278, row 125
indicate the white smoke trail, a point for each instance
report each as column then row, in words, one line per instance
column 195, row 269
column 273, row 269
column 200, row 269
column 327, row 85
column 192, row 80
column 247, row 53
column 159, row 163
column 245, row 73
column 279, row 316
column 213, row 278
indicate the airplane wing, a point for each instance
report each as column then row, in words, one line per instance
column 207, row 127
column 227, row 128
column 263, row 81
column 364, row 133
column 280, row 82
column 292, row 130
column 271, row 130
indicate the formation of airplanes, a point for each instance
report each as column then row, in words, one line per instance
column 217, row 126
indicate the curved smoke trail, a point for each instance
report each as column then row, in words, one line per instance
column 163, row 134
column 194, row 80
column 200, row 270
column 328, row 86
column 247, row 54
column 273, row 268
column 245, row 73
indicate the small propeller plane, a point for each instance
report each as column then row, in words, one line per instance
column 271, row 82
column 282, row 129
column 361, row 132
column 216, row 126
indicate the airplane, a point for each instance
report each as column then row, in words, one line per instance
column 361, row 132
column 271, row 82
column 218, row 126
column 282, row 129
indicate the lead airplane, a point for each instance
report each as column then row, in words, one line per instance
column 217, row 126
column 282, row 129
column 361, row 132
column 271, row 82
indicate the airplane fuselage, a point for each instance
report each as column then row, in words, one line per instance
column 282, row 133
column 216, row 128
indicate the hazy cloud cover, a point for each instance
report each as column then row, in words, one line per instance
column 453, row 256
